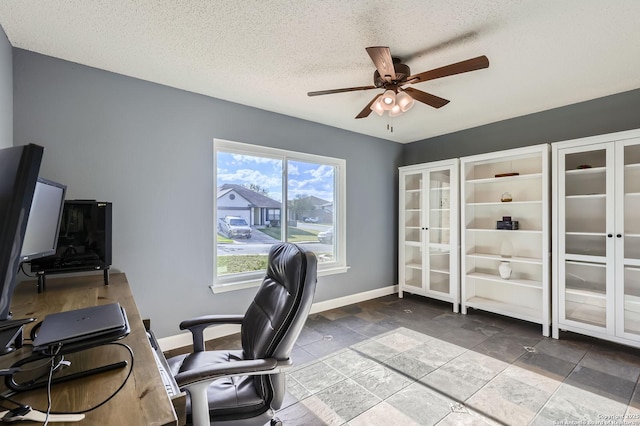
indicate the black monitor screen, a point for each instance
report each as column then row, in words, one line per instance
column 19, row 168
column 41, row 236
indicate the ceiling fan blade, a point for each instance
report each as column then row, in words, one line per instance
column 457, row 68
column 367, row 110
column 381, row 57
column 426, row 98
column 348, row 89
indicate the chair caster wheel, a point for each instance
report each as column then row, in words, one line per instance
column 276, row 422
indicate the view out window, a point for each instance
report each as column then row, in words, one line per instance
column 263, row 196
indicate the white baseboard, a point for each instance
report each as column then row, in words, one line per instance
column 184, row 339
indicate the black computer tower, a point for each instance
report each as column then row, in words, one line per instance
column 84, row 241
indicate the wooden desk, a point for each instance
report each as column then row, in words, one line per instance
column 142, row 401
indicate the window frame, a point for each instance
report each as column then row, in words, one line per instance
column 254, row 278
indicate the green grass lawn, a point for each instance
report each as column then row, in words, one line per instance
column 241, row 263
column 296, row 235
column 234, row 264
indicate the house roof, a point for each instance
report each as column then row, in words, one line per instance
column 255, row 198
column 315, row 201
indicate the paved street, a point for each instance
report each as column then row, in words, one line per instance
column 260, row 242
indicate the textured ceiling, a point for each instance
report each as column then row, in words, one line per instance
column 269, row 54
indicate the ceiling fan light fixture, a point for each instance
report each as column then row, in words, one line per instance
column 395, row 111
column 377, row 106
column 404, row 101
column 388, row 100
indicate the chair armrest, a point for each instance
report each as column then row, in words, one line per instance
column 229, row 369
column 197, row 325
column 197, row 381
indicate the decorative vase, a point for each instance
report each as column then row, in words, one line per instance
column 505, row 270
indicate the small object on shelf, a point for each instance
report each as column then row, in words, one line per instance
column 507, row 223
column 507, row 174
column 504, row 270
column 506, row 197
column 583, row 166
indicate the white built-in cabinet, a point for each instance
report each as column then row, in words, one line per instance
column 512, row 183
column 429, row 231
column 596, row 234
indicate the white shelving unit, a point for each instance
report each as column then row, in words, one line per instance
column 596, row 232
column 486, row 181
column 429, row 231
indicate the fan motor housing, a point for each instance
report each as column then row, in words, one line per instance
column 402, row 72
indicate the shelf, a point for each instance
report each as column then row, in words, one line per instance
column 631, row 263
column 632, row 235
column 515, row 259
column 509, row 203
column 586, row 234
column 632, row 303
column 429, row 263
column 585, row 197
column 496, row 278
column 521, row 231
column 587, row 293
column 586, row 314
column 506, row 178
column 632, row 194
column 509, row 309
column 592, row 170
column 413, row 243
column 585, row 258
column 632, row 166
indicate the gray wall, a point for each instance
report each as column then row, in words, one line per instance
column 603, row 115
column 148, row 149
column 6, row 92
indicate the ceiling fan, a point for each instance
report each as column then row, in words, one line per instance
column 393, row 76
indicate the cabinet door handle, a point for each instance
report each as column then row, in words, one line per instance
column 609, row 235
column 619, row 235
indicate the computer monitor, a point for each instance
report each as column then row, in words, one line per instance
column 19, row 168
column 41, row 236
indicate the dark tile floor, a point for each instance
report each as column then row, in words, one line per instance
column 412, row 361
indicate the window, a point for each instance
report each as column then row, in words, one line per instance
column 266, row 195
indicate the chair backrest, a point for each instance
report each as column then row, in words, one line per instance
column 279, row 309
column 278, row 312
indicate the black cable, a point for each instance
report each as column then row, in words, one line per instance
column 131, row 355
column 114, row 393
column 25, row 272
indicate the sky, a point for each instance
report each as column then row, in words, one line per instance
column 304, row 178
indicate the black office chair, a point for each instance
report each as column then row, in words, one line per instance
column 246, row 387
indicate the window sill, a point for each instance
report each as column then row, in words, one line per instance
column 240, row 285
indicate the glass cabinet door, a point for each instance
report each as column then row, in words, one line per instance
column 413, row 230
column 628, row 238
column 439, row 229
column 584, row 224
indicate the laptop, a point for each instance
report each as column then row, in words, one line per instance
column 70, row 331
